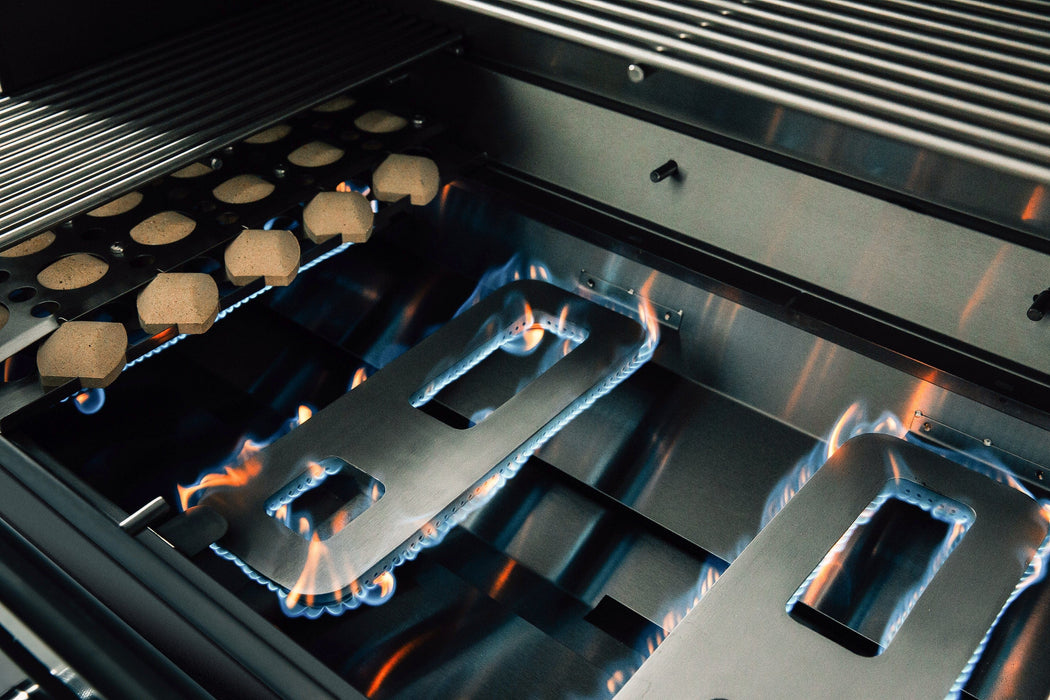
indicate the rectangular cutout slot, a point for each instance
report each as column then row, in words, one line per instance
column 862, row 591
column 325, row 499
column 475, row 388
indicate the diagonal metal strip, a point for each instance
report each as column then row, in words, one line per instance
column 82, row 140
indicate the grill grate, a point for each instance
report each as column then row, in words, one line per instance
column 966, row 78
column 82, row 140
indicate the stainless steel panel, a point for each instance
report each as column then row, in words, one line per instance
column 775, row 367
column 716, row 652
column 923, row 270
column 693, row 461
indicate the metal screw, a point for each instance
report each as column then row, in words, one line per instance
column 215, row 163
column 279, row 172
column 918, row 414
column 117, row 249
column 667, row 315
column 987, row 442
column 590, row 283
column 419, row 121
column 635, row 73
column 927, row 427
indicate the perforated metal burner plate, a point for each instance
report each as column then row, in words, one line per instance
column 740, row 641
column 428, row 469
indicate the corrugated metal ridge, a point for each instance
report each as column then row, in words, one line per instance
column 83, row 139
column 967, row 78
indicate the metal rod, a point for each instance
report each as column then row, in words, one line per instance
column 787, row 32
column 975, row 20
column 854, row 77
column 748, row 85
column 141, row 518
column 919, row 38
column 828, row 91
column 54, row 205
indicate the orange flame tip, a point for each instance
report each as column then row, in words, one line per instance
column 385, row 581
column 359, row 377
column 304, row 414
column 231, row 476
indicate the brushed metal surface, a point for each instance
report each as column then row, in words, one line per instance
column 716, row 652
column 941, row 276
column 732, row 346
column 426, row 467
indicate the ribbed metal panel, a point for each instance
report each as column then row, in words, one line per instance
column 966, row 78
column 82, row 140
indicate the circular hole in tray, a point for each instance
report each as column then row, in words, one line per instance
column 45, row 309
column 22, row 294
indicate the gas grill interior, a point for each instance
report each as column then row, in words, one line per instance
column 574, row 572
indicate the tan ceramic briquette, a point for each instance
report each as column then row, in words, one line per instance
column 33, row 245
column 413, row 176
column 243, row 189
column 272, row 255
column 163, row 228
column 91, row 351
column 346, row 214
column 187, row 300
column 120, row 205
column 73, row 272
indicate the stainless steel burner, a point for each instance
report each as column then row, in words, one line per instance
column 430, row 471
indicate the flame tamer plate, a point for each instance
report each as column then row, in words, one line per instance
column 428, row 471
column 741, row 642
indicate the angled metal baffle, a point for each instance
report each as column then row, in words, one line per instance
column 741, row 641
column 422, row 472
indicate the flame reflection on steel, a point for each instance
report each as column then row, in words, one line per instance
column 674, row 613
column 854, row 422
column 957, row 516
column 1034, row 207
column 851, row 423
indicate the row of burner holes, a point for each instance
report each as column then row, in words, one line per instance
column 389, row 564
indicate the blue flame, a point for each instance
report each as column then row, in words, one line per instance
column 368, row 591
column 854, row 422
column 88, row 401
